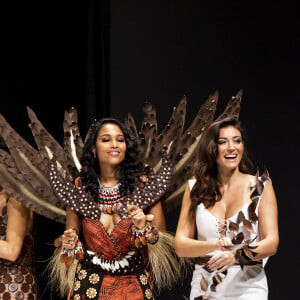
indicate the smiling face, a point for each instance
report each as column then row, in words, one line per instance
column 230, row 148
column 110, row 146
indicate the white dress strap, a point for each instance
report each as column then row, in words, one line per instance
column 191, row 183
column 258, row 202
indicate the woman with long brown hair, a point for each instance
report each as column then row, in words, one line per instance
column 234, row 215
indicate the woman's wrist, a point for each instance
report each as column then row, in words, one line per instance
column 141, row 227
column 68, row 256
column 212, row 246
column 147, row 234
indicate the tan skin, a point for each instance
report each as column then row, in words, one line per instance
column 235, row 188
column 110, row 150
column 18, row 225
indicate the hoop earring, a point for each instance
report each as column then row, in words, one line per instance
column 94, row 154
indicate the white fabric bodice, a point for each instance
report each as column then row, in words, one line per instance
column 235, row 285
column 208, row 225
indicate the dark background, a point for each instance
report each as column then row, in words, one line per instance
column 110, row 57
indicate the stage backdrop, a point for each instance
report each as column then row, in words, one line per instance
column 163, row 50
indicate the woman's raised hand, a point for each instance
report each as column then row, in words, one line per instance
column 138, row 217
column 69, row 239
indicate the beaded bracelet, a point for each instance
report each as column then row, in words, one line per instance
column 148, row 234
column 67, row 256
column 154, row 236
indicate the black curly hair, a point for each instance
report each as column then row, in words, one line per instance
column 129, row 169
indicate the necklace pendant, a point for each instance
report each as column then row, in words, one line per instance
column 109, row 210
column 110, row 199
column 104, row 209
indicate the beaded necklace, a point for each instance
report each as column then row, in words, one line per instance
column 110, row 198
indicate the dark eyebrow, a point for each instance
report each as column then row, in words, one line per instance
column 108, row 134
column 224, row 138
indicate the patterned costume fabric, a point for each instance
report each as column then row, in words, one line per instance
column 17, row 279
column 95, row 280
column 246, row 281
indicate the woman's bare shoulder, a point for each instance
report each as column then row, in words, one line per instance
column 249, row 179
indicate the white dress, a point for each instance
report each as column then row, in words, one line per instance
column 247, row 283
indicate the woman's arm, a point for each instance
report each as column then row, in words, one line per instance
column 268, row 225
column 18, row 219
column 72, row 220
column 73, row 228
column 185, row 244
column 159, row 220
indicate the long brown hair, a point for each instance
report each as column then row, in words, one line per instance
column 207, row 187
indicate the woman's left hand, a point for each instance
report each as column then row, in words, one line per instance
column 222, row 261
column 138, row 217
column 69, row 239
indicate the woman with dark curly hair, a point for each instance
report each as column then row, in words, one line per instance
column 235, row 216
column 115, row 264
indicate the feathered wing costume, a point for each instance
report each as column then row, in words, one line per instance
column 42, row 178
column 181, row 145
